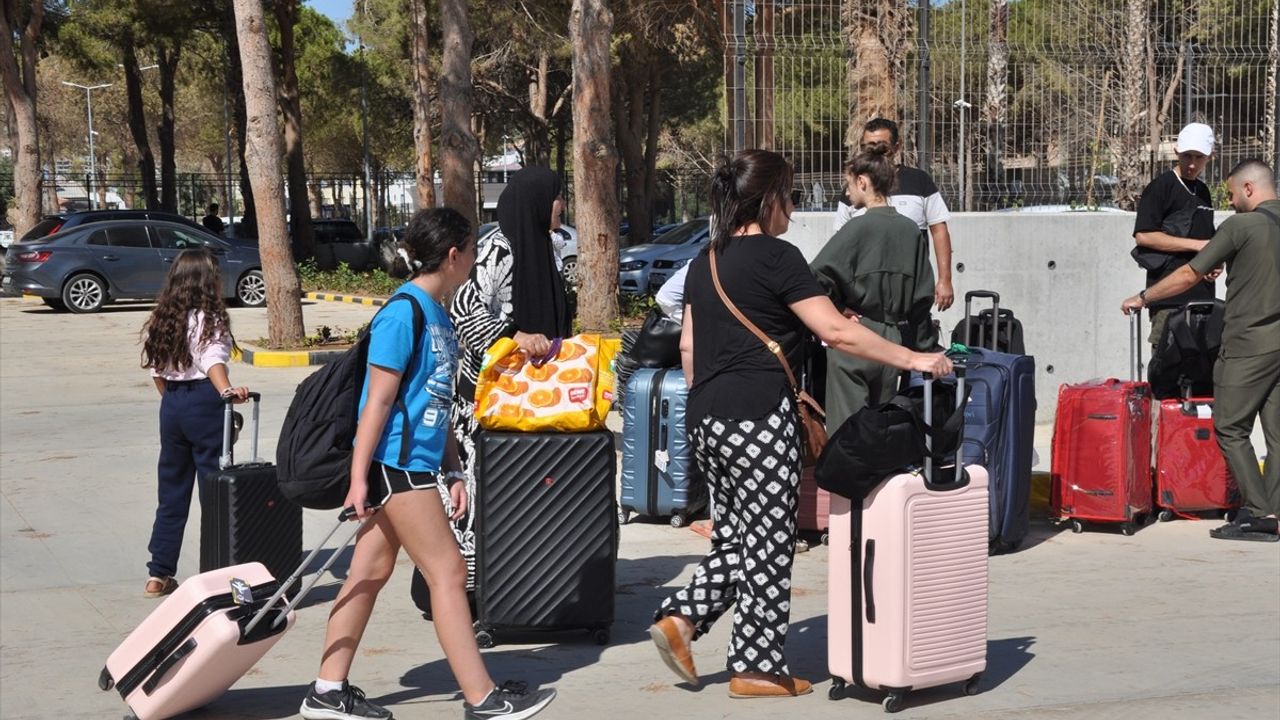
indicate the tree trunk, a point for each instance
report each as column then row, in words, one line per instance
column 167, row 59
column 1129, row 107
column 20, row 88
column 421, row 62
column 764, row 110
column 595, row 164
column 638, row 124
column 262, row 155
column 458, row 151
column 138, row 124
column 562, row 144
column 877, row 32
column 291, row 108
column 235, row 91
column 995, row 110
column 317, row 200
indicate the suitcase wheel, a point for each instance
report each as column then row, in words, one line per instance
column 837, row 689
column 1128, row 528
column 971, row 685
column 825, row 539
column 677, row 520
column 893, row 702
column 601, row 636
column 105, row 681
column 484, row 638
column 1165, row 515
column 624, row 516
column 1077, row 526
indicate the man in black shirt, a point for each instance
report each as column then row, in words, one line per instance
column 212, row 221
column 1175, row 221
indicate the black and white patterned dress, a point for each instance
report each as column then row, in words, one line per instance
column 481, row 312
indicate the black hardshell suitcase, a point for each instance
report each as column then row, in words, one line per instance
column 546, row 533
column 243, row 516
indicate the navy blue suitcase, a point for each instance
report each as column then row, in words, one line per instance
column 658, row 473
column 999, row 434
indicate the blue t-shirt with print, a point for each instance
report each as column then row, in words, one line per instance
column 428, row 389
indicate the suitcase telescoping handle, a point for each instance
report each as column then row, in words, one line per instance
column 1135, row 346
column 227, row 459
column 994, row 297
column 959, row 369
column 343, row 517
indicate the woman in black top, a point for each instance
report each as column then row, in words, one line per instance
column 742, row 420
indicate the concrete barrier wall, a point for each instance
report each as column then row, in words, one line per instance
column 1063, row 274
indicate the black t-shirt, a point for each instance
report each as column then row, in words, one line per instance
column 735, row 377
column 213, row 223
column 1182, row 209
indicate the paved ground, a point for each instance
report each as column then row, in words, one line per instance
column 1165, row 624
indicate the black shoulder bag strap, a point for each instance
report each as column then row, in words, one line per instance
column 419, row 325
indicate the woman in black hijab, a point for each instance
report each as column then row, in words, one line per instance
column 515, row 291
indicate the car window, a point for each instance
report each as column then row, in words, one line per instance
column 98, row 238
column 174, row 239
column 347, row 233
column 134, row 236
column 47, row 226
column 682, row 234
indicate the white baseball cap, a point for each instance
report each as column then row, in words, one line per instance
column 1195, row 137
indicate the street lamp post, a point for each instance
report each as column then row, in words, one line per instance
column 93, row 161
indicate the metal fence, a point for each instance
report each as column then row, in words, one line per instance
column 1006, row 103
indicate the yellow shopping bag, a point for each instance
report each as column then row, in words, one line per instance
column 569, row 392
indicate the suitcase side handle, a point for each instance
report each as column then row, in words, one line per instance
column 163, row 668
column 868, row 581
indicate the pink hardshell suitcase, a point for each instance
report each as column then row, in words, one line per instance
column 907, row 604
column 204, row 637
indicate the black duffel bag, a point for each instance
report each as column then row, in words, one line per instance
column 658, row 344
column 878, row 441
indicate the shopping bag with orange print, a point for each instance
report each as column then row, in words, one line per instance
column 570, row 390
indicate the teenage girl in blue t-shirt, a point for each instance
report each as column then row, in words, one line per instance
column 439, row 248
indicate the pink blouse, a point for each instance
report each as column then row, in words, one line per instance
column 203, row 355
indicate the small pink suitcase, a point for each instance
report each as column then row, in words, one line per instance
column 907, row 602
column 204, row 637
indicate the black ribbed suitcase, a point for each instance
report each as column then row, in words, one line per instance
column 243, row 516
column 547, row 533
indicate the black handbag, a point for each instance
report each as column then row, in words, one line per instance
column 658, row 344
column 878, row 441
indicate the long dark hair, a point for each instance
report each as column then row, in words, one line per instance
column 874, row 163
column 745, row 189
column 193, row 284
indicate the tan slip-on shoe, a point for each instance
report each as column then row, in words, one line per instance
column 673, row 649
column 777, row 686
column 159, row 587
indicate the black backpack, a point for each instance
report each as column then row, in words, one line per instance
column 313, row 455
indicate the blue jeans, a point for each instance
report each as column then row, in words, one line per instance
column 191, row 418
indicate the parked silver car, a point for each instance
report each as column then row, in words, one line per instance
column 87, row 267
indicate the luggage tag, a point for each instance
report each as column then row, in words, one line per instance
column 661, row 459
column 1204, row 412
column 241, row 593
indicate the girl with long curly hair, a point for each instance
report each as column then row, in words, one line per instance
column 186, row 344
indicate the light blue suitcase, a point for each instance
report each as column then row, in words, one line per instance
column 658, row 473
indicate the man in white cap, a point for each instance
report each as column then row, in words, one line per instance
column 1175, row 221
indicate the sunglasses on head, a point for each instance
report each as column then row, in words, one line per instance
column 796, row 197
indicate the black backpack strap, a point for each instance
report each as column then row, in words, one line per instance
column 419, row 326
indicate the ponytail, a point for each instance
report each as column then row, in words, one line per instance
column 745, row 189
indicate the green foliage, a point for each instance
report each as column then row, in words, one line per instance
column 373, row 283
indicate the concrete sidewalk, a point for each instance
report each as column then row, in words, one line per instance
column 1165, row 624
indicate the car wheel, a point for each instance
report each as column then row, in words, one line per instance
column 84, row 293
column 571, row 270
column 251, row 289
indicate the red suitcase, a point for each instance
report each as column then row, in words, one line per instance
column 1191, row 474
column 1101, row 464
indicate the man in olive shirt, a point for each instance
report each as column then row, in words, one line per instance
column 1246, row 378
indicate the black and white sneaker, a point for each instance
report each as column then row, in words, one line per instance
column 511, row 701
column 347, row 703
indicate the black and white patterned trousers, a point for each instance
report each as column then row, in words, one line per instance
column 463, row 418
column 752, row 469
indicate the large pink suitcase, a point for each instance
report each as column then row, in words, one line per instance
column 204, row 637
column 907, row 584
